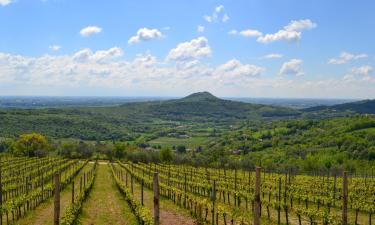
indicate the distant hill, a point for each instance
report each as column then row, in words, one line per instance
column 363, row 107
column 128, row 120
column 205, row 106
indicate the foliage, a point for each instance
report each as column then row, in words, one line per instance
column 31, row 145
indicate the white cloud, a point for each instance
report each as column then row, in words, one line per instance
column 298, row 25
column 234, row 68
column 251, row 33
column 104, row 72
column 281, row 35
column 225, row 18
column 55, row 47
column 90, row 30
column 233, row 32
column 346, row 57
column 273, row 56
column 292, row 67
column 193, row 49
column 290, row 33
column 363, row 70
column 200, row 29
column 5, row 2
column 100, row 56
column 145, row 34
column 217, row 15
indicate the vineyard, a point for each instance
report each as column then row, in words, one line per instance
column 58, row 191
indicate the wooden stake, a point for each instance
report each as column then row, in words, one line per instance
column 345, row 199
column 57, row 200
column 213, row 198
column 72, row 192
column 156, row 199
column 257, row 197
column 142, row 187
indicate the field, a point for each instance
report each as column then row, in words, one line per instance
column 125, row 193
column 191, row 142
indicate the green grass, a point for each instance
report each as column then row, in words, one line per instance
column 105, row 204
column 191, row 142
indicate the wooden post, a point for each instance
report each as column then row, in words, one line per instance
column 235, row 187
column 278, row 203
column 344, row 199
column 257, row 197
column 131, row 183
column 80, row 185
column 334, row 190
column 57, row 200
column 1, row 195
column 72, row 192
column 156, row 199
column 185, row 191
column 213, row 198
column 142, row 187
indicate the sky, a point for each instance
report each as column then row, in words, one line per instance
column 232, row 48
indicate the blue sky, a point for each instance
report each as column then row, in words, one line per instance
column 247, row 48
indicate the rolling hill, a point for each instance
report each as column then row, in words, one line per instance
column 362, row 107
column 127, row 120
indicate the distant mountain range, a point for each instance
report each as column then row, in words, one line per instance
column 363, row 107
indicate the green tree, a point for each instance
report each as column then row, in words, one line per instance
column 166, row 155
column 119, row 150
column 31, row 145
column 181, row 148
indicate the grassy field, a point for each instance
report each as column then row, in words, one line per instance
column 191, row 142
column 105, row 204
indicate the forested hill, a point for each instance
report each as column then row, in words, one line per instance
column 363, row 107
column 126, row 121
column 205, row 106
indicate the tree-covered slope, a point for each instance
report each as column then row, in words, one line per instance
column 365, row 106
column 127, row 121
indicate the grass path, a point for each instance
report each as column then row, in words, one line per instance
column 170, row 213
column 105, row 204
column 43, row 214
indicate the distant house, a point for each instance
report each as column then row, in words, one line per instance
column 236, row 152
column 151, row 149
column 184, row 136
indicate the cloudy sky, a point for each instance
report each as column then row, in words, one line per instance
column 247, row 48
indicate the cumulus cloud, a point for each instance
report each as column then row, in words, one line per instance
column 292, row 67
column 145, row 34
column 299, row 25
column 200, row 29
column 234, row 68
column 346, row 57
column 54, row 47
column 85, row 55
column 194, row 49
column 217, row 15
column 233, row 32
column 273, row 56
column 362, row 70
column 250, row 33
column 106, row 72
column 90, row 30
column 290, row 33
column 5, row 2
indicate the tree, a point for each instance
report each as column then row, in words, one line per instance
column 119, row 150
column 181, row 148
column 68, row 150
column 31, row 145
column 166, row 155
